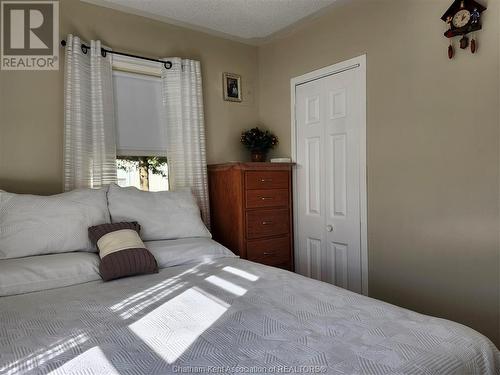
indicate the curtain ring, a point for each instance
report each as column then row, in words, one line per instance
column 167, row 64
column 103, row 52
column 84, row 49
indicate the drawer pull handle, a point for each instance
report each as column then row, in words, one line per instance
column 268, row 253
column 266, row 180
column 267, row 222
column 266, row 198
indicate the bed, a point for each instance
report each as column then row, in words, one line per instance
column 205, row 311
column 228, row 315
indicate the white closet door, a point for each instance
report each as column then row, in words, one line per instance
column 328, row 118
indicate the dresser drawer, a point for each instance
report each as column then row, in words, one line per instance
column 265, row 223
column 266, row 179
column 267, row 198
column 272, row 252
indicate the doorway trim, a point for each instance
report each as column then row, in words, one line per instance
column 355, row 63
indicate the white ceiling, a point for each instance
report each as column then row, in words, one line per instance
column 242, row 19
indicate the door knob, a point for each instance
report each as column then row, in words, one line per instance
column 329, row 228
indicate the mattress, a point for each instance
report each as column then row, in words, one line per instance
column 228, row 316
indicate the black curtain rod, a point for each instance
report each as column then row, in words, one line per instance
column 104, row 51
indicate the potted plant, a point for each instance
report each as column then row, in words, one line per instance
column 259, row 142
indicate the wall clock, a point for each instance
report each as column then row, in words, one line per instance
column 462, row 18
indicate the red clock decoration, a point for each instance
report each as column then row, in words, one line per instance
column 463, row 17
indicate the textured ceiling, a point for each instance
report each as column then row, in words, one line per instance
column 244, row 19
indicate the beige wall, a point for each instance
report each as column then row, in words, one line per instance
column 433, row 146
column 433, row 133
column 31, row 113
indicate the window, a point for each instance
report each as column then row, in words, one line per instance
column 140, row 133
column 148, row 173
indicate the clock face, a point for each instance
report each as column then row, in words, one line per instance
column 461, row 18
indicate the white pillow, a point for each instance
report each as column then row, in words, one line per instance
column 33, row 274
column 169, row 253
column 34, row 225
column 162, row 215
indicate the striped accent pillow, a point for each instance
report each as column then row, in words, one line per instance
column 121, row 250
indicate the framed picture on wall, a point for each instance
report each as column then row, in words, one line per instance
column 231, row 86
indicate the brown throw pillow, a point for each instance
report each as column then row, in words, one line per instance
column 121, row 250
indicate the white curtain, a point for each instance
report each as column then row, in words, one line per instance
column 186, row 152
column 89, row 123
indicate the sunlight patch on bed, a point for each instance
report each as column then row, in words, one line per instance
column 174, row 326
column 226, row 285
column 41, row 356
column 93, row 361
column 151, row 300
column 241, row 273
column 152, row 290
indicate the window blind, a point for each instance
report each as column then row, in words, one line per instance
column 139, row 115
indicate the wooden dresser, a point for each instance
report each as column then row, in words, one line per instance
column 251, row 210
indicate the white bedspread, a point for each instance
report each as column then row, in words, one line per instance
column 228, row 316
